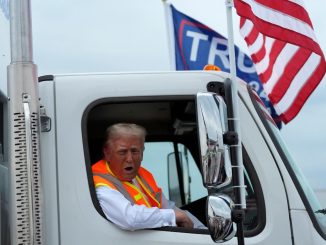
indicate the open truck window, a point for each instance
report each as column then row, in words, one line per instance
column 171, row 152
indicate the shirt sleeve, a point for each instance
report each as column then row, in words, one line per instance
column 132, row 217
column 171, row 205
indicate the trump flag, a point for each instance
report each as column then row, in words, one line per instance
column 196, row 45
column 284, row 49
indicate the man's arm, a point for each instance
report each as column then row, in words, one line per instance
column 132, row 217
column 183, row 219
column 196, row 223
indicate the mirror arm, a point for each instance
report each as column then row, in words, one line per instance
column 231, row 138
column 238, row 215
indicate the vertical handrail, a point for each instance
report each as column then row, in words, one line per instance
column 29, row 166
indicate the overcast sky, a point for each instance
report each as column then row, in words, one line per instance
column 106, row 35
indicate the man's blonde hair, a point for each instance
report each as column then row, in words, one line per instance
column 115, row 130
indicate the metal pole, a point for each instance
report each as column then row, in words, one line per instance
column 21, row 31
column 170, row 33
column 25, row 176
column 235, row 124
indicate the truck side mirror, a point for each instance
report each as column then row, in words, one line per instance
column 212, row 124
column 219, row 218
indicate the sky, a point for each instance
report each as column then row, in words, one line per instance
column 79, row 36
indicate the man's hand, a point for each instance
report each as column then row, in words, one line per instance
column 182, row 219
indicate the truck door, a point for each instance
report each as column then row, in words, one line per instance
column 171, row 154
column 170, row 119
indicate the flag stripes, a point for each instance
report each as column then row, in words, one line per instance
column 282, row 44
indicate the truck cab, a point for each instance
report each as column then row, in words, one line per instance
column 77, row 109
column 51, row 132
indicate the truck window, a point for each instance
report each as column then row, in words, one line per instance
column 171, row 152
column 156, row 159
column 158, row 155
column 255, row 218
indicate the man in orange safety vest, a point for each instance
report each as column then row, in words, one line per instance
column 127, row 192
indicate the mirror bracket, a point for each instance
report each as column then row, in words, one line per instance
column 237, row 215
column 231, row 138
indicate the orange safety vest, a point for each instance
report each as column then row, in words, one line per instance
column 103, row 176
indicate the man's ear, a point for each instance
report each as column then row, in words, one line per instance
column 105, row 149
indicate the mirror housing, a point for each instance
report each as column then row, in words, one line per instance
column 212, row 124
column 219, row 218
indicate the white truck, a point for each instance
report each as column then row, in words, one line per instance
column 321, row 195
column 51, row 132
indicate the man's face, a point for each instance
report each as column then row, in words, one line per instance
column 124, row 155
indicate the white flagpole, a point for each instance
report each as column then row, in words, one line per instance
column 170, row 33
column 235, row 122
column 233, row 71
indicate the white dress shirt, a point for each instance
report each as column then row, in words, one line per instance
column 134, row 217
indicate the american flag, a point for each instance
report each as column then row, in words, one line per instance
column 284, row 48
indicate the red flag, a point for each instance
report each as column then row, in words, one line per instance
column 284, row 49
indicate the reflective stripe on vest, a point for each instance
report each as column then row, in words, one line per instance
column 149, row 190
column 117, row 183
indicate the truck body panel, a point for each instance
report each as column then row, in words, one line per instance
column 80, row 106
column 303, row 229
column 5, row 44
column 74, row 219
column 49, row 168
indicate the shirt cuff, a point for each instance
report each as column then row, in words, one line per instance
column 169, row 217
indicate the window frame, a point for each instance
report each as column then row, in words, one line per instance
column 152, row 99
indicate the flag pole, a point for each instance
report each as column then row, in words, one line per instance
column 170, row 33
column 234, row 125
